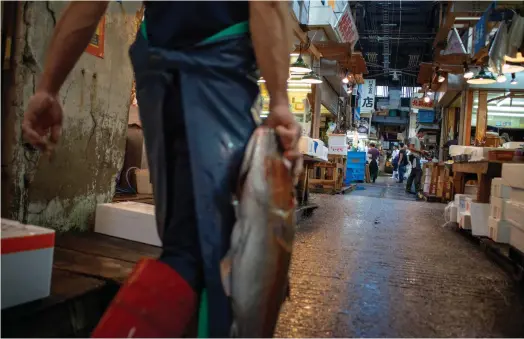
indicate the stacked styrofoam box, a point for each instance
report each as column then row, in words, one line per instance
column 427, row 178
column 325, row 152
column 499, row 228
column 306, row 145
column 27, row 262
column 463, row 202
column 513, row 175
column 128, row 220
column 337, row 140
column 319, row 147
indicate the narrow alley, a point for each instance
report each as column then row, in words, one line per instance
column 366, row 265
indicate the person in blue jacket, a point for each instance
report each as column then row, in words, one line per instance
column 195, row 65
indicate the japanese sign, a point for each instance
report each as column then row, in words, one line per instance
column 479, row 34
column 96, row 45
column 419, row 103
column 367, row 96
column 503, row 123
column 346, row 28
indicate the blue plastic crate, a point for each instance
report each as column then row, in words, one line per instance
column 426, row 116
column 356, row 158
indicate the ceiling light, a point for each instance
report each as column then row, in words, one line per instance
column 430, row 92
column 312, row 78
column 261, row 80
column 513, row 80
column 345, row 80
column 469, row 18
column 501, row 78
column 512, row 67
column 483, row 78
column 427, row 99
column 294, row 55
column 469, row 74
column 300, row 66
column 441, row 78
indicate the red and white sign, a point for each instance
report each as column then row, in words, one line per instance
column 346, row 28
column 419, row 103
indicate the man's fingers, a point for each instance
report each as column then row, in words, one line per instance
column 289, row 137
column 56, row 131
column 33, row 137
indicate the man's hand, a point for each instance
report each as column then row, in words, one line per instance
column 43, row 117
column 288, row 129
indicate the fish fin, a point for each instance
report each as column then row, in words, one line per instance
column 225, row 273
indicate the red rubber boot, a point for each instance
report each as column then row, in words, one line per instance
column 155, row 302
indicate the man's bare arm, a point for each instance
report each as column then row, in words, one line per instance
column 70, row 38
column 271, row 35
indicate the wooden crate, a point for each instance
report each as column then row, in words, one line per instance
column 328, row 177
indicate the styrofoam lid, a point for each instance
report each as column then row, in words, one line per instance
column 133, row 206
column 14, row 229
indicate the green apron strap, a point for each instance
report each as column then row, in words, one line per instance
column 241, row 27
column 203, row 324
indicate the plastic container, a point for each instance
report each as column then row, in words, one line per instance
column 356, row 158
column 337, row 140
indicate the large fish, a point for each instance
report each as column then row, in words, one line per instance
column 255, row 270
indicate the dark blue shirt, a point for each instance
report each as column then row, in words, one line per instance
column 176, row 24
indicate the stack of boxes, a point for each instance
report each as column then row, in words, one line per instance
column 428, row 169
column 513, row 176
column 313, row 147
column 499, row 227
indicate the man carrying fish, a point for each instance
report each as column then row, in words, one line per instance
column 192, row 62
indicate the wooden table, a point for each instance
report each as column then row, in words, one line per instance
column 483, row 172
column 304, row 207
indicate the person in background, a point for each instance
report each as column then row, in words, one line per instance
column 192, row 63
column 402, row 162
column 394, row 161
column 416, row 168
column 373, row 163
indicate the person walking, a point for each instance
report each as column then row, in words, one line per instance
column 373, row 163
column 192, row 63
column 415, row 175
column 394, row 162
column 402, row 162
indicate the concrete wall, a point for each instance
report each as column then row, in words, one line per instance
column 62, row 191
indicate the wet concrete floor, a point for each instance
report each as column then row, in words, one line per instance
column 377, row 263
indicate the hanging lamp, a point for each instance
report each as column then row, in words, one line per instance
column 482, row 78
column 312, row 78
column 300, row 66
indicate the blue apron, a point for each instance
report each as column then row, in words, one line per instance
column 216, row 97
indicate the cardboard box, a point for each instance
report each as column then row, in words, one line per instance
column 143, row 182
column 128, row 220
column 513, row 174
column 27, row 262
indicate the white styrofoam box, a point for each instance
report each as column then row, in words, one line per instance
column 517, row 195
column 468, row 201
column 319, row 142
column 306, row 145
column 499, row 230
column 516, row 236
column 515, row 213
column 513, row 174
column 465, row 220
column 128, row 220
column 27, row 262
column 480, row 153
column 337, row 140
column 451, row 212
column 460, row 201
column 500, row 188
column 143, row 182
column 479, row 219
column 470, row 190
column 455, row 150
column 325, row 152
column 498, row 208
column 513, row 144
column 338, row 150
column 426, row 188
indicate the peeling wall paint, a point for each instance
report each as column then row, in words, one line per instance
column 62, row 191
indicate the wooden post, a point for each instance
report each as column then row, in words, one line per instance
column 467, row 117
column 482, row 116
column 315, row 119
